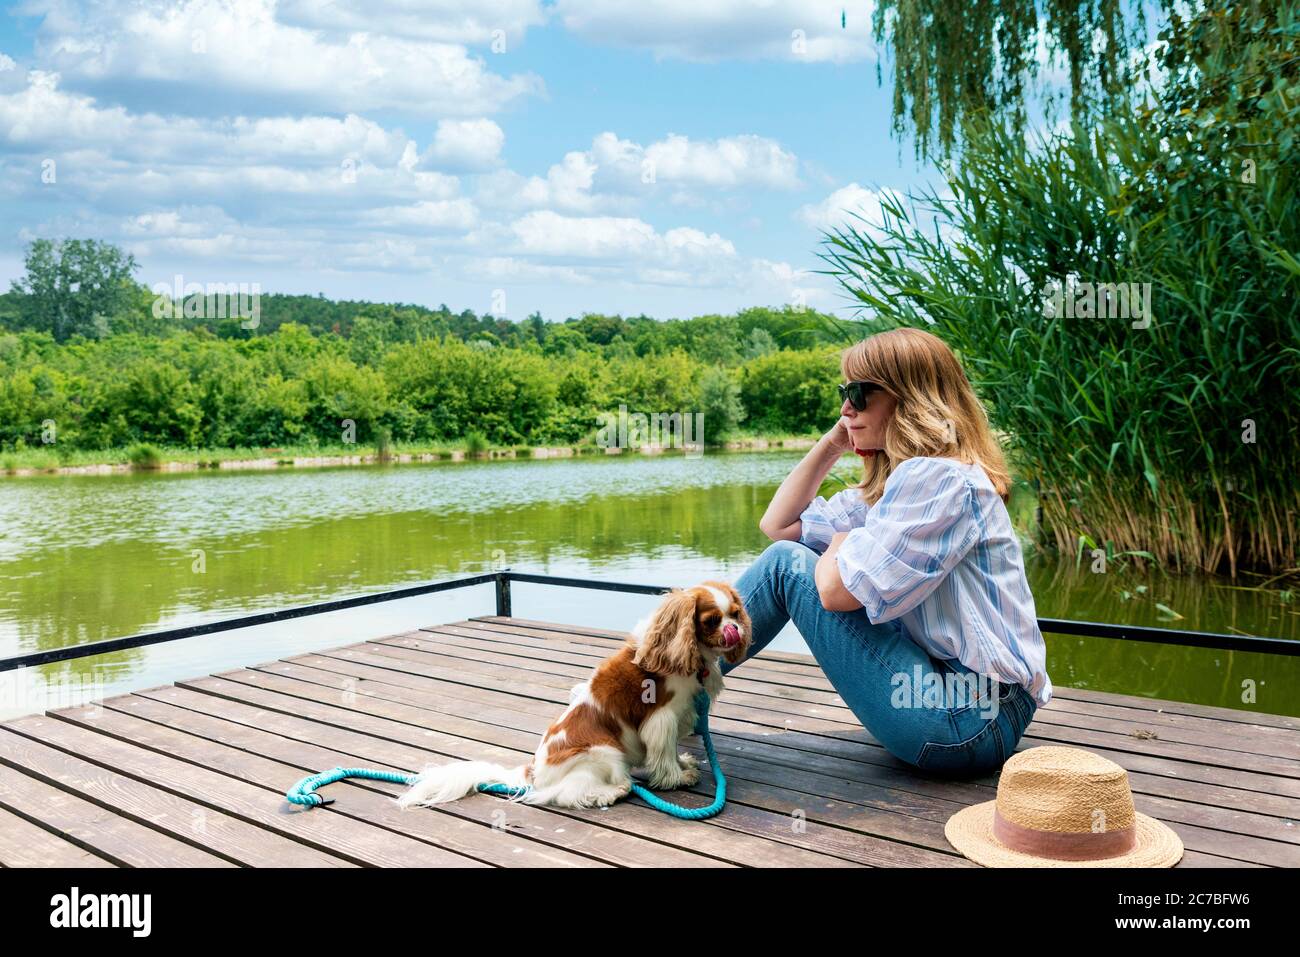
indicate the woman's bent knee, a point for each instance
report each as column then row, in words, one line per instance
column 789, row 557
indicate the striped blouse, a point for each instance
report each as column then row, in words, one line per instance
column 938, row 552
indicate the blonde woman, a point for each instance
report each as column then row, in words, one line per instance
column 909, row 588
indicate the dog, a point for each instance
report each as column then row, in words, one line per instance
column 631, row 712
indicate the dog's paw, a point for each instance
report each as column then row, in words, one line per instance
column 605, row 796
column 688, row 760
column 690, row 777
column 667, row 780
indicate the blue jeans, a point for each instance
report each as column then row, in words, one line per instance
column 934, row 714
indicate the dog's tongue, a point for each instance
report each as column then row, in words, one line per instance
column 866, row 453
column 730, row 635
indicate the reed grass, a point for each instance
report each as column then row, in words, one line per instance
column 1181, row 440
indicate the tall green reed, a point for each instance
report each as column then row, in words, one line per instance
column 1180, row 439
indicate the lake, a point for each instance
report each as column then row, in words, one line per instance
column 83, row 558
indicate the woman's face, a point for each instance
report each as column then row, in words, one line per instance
column 867, row 428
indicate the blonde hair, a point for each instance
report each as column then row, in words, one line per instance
column 938, row 413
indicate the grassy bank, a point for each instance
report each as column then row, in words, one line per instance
column 143, row 457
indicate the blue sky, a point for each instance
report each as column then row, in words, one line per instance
column 671, row 158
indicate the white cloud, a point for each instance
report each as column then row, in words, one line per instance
column 110, row 153
column 451, row 21
column 614, row 173
column 567, row 186
column 848, row 206
column 726, row 163
column 509, row 269
column 710, row 30
column 466, row 145
column 630, row 250
column 239, row 49
column 450, row 215
column 545, row 233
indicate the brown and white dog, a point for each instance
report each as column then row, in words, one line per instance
column 631, row 713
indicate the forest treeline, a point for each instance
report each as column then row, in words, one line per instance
column 119, row 371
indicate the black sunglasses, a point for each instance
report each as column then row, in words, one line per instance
column 857, row 392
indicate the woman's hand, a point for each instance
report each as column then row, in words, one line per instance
column 838, row 437
column 781, row 521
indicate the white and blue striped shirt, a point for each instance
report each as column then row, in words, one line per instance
column 938, row 552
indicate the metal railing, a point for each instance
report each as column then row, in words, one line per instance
column 501, row 581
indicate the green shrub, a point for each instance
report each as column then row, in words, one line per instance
column 144, row 456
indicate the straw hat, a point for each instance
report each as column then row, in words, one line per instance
column 1062, row 807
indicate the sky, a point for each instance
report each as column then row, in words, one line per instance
column 671, row 158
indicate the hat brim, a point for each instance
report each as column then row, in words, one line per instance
column 970, row 831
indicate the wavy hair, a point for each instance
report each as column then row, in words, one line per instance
column 938, row 413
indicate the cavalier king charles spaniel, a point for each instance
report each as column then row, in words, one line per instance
column 630, row 713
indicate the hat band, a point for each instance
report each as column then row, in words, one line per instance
column 1064, row 846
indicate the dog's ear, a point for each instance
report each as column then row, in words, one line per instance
column 668, row 646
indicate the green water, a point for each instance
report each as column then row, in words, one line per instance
column 88, row 558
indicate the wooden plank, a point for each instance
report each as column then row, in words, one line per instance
column 313, row 746
column 1161, row 776
column 330, row 833
column 1243, row 734
column 1168, row 706
column 220, row 833
column 119, row 840
column 1226, row 714
column 498, row 707
column 1252, row 739
column 355, row 799
column 402, row 724
column 808, row 786
column 806, row 661
column 1289, row 722
column 536, row 723
column 23, row 844
column 549, row 673
column 962, row 792
column 541, row 653
column 598, row 648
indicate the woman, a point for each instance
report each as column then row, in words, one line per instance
column 909, row 588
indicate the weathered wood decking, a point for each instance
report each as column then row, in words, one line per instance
column 193, row 774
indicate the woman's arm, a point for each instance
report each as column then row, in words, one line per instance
column 830, row 584
column 781, row 520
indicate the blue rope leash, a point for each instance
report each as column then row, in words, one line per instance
column 304, row 792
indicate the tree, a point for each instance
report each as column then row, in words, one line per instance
column 720, row 403
column 759, row 342
column 954, row 59
column 75, row 286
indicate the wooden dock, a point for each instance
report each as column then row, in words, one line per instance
column 193, row 774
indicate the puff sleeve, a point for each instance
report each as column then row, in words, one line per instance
column 922, row 526
column 823, row 517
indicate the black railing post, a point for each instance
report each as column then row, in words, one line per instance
column 503, row 594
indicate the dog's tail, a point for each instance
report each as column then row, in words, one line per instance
column 438, row 784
